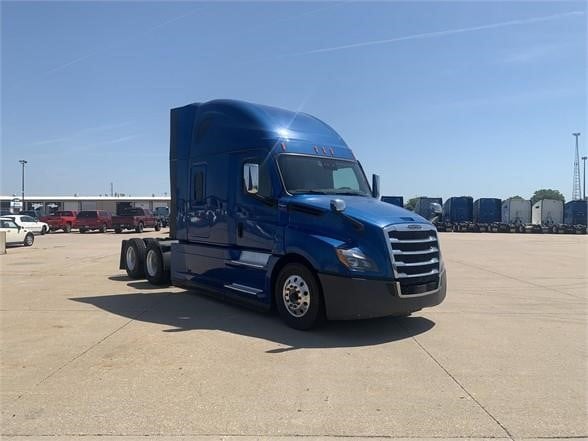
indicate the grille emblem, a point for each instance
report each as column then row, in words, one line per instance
column 414, row 227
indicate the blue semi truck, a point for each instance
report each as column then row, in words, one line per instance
column 271, row 208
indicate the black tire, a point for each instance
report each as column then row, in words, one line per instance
column 103, row 228
column 554, row 230
column 67, row 228
column 134, row 258
column 139, row 228
column 157, row 226
column 294, row 283
column 156, row 265
column 82, row 230
column 29, row 240
column 43, row 231
column 117, row 230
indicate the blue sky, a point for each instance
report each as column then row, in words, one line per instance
column 439, row 98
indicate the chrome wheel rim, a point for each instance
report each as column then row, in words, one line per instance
column 151, row 260
column 131, row 258
column 296, row 296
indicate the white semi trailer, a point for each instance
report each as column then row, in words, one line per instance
column 516, row 214
column 548, row 215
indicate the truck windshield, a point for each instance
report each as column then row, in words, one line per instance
column 307, row 174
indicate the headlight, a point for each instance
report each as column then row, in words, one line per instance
column 355, row 260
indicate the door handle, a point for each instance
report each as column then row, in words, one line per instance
column 240, row 229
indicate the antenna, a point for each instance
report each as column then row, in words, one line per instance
column 577, row 192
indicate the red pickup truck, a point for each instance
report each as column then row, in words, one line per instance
column 90, row 220
column 61, row 220
column 135, row 219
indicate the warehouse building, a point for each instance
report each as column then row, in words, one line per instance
column 43, row 205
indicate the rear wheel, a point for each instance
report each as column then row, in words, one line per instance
column 157, row 226
column 67, row 228
column 298, row 297
column 134, row 258
column 156, row 265
column 103, row 228
column 139, row 228
column 117, row 230
column 29, row 240
column 82, row 230
column 43, row 230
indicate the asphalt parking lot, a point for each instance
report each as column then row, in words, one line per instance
column 87, row 352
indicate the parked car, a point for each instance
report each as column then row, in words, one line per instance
column 30, row 223
column 135, row 219
column 61, row 220
column 16, row 234
column 162, row 215
column 91, row 220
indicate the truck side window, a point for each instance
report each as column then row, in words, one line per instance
column 198, row 195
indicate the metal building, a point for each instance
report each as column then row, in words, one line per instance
column 43, row 205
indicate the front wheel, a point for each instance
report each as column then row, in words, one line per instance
column 157, row 226
column 298, row 297
column 43, row 231
column 67, row 228
column 29, row 240
column 139, row 228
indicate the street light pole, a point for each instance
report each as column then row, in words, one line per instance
column 584, row 184
column 22, row 199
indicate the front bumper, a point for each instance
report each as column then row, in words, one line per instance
column 353, row 298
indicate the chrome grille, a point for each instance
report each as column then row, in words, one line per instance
column 414, row 253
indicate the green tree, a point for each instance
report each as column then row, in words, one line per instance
column 515, row 197
column 410, row 204
column 547, row 193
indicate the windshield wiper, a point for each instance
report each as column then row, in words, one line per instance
column 330, row 191
column 349, row 192
column 309, row 192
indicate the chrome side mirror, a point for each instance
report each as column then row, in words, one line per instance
column 251, row 178
column 338, row 205
column 376, row 186
column 436, row 208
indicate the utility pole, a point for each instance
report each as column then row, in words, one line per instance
column 584, row 160
column 576, row 192
column 111, row 190
column 22, row 198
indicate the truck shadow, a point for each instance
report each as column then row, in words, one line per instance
column 191, row 311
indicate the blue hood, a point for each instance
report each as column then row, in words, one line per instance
column 365, row 209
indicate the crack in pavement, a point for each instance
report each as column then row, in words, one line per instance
column 462, row 387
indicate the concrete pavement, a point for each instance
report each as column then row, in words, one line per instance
column 87, row 352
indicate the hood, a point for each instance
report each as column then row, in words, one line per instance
column 365, row 209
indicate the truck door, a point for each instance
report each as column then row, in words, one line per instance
column 255, row 230
column 197, row 219
column 256, row 214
